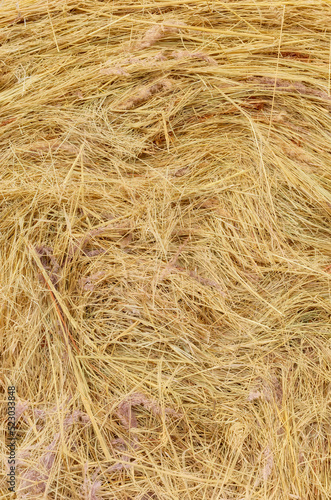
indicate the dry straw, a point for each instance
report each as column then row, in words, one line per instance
column 165, row 248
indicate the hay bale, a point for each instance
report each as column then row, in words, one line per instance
column 165, row 248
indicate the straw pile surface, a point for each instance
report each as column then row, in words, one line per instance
column 165, row 248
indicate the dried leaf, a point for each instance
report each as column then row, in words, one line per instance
column 127, row 415
column 144, row 93
column 156, row 33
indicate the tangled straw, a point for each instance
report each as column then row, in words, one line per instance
column 165, row 248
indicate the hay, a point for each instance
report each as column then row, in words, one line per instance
column 165, row 248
